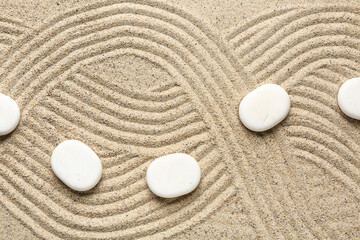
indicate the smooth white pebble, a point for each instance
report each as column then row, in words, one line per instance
column 264, row 107
column 349, row 98
column 76, row 165
column 9, row 114
column 173, row 175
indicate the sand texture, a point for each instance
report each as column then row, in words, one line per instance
column 136, row 80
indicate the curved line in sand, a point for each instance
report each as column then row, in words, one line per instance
column 208, row 178
column 301, row 47
column 51, row 223
column 326, row 166
column 347, row 165
column 7, row 39
column 321, row 84
column 152, row 126
column 92, row 82
column 303, row 117
column 167, row 16
column 14, row 21
column 332, row 145
column 324, row 64
column 277, row 30
column 255, row 21
column 190, row 118
column 225, row 90
column 275, row 51
column 11, row 31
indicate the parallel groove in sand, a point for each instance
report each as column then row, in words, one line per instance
column 50, row 221
column 35, row 141
column 205, row 90
column 295, row 54
column 68, row 203
column 54, row 76
column 220, row 185
column 12, row 31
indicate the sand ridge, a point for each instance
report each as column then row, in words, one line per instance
column 299, row 180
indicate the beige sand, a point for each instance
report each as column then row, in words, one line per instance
column 139, row 79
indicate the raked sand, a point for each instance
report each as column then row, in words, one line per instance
column 135, row 80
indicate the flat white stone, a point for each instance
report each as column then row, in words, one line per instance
column 264, row 107
column 173, row 175
column 349, row 98
column 9, row 114
column 77, row 165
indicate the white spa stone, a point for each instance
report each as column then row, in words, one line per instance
column 349, row 98
column 173, row 175
column 9, row 114
column 264, row 107
column 76, row 165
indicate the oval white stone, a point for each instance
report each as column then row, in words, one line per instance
column 349, row 98
column 173, row 175
column 264, row 107
column 9, row 114
column 76, row 165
